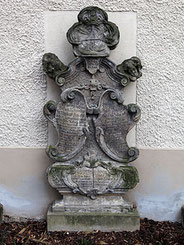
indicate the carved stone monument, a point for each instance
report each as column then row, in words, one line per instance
column 91, row 169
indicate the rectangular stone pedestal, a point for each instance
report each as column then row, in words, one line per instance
column 89, row 221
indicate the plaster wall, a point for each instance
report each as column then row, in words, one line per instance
column 160, row 46
column 25, row 192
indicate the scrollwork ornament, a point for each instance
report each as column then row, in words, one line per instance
column 69, row 94
column 124, row 81
column 134, row 111
column 60, row 81
column 117, row 95
column 49, row 110
column 133, row 153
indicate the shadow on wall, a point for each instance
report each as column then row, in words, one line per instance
column 161, row 208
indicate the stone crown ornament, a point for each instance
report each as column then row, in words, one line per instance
column 92, row 156
column 93, row 35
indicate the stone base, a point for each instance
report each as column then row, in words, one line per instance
column 89, row 221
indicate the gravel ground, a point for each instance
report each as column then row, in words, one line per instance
column 34, row 232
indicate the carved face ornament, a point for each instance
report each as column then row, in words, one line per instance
column 92, row 16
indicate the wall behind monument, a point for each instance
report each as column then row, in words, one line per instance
column 23, row 130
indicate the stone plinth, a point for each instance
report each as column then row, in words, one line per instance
column 89, row 221
column 80, row 213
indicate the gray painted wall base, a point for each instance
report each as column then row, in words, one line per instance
column 29, row 195
column 71, row 221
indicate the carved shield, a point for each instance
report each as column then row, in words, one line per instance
column 112, row 126
column 71, row 126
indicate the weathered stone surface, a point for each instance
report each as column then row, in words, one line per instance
column 93, row 35
column 92, row 179
column 92, row 155
column 1, row 213
column 107, row 203
column 70, row 221
column 91, row 118
column 182, row 215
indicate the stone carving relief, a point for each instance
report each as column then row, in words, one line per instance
column 93, row 35
column 92, row 155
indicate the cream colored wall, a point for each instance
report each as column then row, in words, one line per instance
column 159, row 45
column 24, row 190
column 160, row 193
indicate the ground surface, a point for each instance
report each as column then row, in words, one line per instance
column 151, row 232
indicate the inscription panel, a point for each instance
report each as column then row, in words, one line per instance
column 71, row 120
column 102, row 179
column 114, row 121
column 84, row 178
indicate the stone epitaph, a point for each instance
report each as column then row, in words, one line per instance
column 91, row 169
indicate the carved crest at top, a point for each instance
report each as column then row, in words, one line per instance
column 93, row 35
